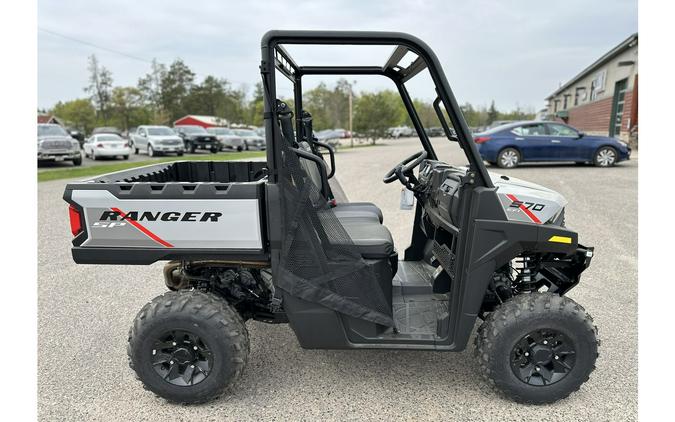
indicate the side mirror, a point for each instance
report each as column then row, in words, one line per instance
column 580, row 135
column 453, row 138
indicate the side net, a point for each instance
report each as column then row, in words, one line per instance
column 319, row 262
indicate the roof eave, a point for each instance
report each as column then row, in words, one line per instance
column 623, row 46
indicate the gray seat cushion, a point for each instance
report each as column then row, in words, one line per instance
column 372, row 239
column 358, row 210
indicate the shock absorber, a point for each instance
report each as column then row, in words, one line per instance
column 525, row 268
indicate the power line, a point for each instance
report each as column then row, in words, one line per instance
column 94, row 45
column 121, row 53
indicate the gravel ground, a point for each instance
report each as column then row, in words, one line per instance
column 85, row 313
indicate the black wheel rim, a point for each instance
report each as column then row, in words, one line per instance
column 543, row 357
column 182, row 358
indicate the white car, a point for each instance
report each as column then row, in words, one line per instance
column 227, row 138
column 106, row 145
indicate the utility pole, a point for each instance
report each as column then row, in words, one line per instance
column 351, row 134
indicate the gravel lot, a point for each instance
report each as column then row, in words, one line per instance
column 85, row 313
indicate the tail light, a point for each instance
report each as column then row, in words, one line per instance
column 481, row 139
column 99, row 145
column 126, row 145
column 75, row 220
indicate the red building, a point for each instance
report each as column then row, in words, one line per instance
column 48, row 118
column 203, row 121
column 603, row 98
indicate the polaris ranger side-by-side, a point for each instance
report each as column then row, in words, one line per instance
column 268, row 241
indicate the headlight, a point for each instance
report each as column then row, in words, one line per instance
column 622, row 143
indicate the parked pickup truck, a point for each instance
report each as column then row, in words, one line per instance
column 196, row 137
column 155, row 140
column 55, row 144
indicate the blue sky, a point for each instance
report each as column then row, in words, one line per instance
column 512, row 52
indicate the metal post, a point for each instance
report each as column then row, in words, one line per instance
column 351, row 133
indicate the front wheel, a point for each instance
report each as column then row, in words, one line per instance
column 508, row 158
column 605, row 157
column 77, row 161
column 151, row 151
column 188, row 346
column 214, row 150
column 537, row 348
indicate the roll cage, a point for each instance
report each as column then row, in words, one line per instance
column 275, row 56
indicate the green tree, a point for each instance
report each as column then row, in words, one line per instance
column 150, row 87
column 128, row 109
column 492, row 113
column 208, row 97
column 100, row 87
column 79, row 113
column 374, row 113
column 175, row 87
column 256, row 106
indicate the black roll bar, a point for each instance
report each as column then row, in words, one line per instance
column 272, row 50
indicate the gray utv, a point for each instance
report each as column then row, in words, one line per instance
column 269, row 241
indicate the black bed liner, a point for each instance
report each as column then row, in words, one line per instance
column 190, row 171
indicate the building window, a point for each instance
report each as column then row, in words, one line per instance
column 565, row 97
column 579, row 95
column 555, row 105
column 598, row 84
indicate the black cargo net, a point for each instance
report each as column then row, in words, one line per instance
column 319, row 262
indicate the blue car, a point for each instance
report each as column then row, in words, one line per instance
column 511, row 144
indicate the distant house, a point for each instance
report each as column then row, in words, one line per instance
column 603, row 98
column 203, row 121
column 48, row 118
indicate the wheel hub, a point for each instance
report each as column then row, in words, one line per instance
column 181, row 358
column 543, row 357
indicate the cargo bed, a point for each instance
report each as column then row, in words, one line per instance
column 179, row 210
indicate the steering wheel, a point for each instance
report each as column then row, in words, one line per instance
column 404, row 167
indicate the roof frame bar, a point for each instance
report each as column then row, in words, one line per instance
column 396, row 56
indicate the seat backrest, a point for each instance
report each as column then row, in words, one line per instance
column 310, row 167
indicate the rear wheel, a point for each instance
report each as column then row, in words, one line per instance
column 136, row 151
column 605, row 157
column 188, row 346
column 537, row 348
column 508, row 158
column 214, row 150
column 126, row 157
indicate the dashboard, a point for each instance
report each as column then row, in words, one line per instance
column 438, row 190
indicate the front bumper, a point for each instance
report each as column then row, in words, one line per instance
column 58, row 155
column 168, row 148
